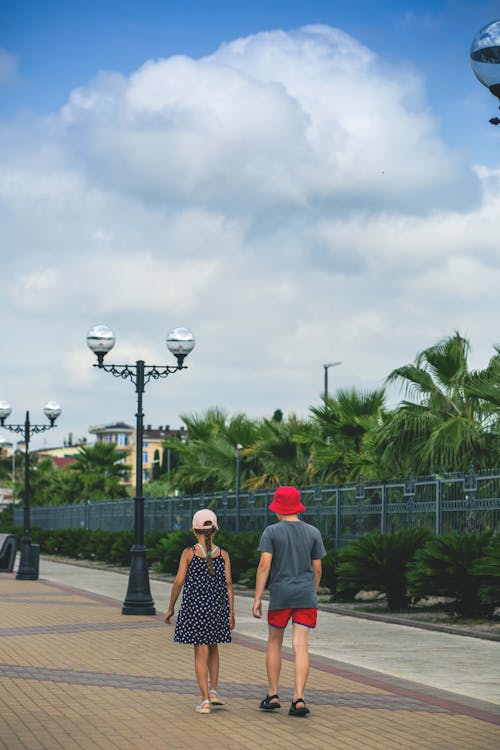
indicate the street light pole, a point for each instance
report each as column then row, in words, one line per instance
column 180, row 342
column 238, row 485
column 26, row 570
column 330, row 364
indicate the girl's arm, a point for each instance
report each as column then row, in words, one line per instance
column 230, row 592
column 178, row 583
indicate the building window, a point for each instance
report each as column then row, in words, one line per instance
column 122, row 440
column 144, row 457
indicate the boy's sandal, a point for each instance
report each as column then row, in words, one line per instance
column 266, row 704
column 203, row 708
column 298, row 710
column 215, row 699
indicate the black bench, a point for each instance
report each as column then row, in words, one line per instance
column 7, row 552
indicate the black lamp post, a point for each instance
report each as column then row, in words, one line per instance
column 27, row 570
column 325, row 367
column 238, row 487
column 485, row 59
column 180, row 342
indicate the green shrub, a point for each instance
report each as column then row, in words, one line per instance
column 243, row 553
column 378, row 562
column 488, row 569
column 446, row 567
column 119, row 554
column 170, row 548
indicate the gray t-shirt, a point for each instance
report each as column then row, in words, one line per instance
column 293, row 545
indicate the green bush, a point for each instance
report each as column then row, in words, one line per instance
column 378, row 562
column 170, row 548
column 488, row 569
column 243, row 553
column 447, row 566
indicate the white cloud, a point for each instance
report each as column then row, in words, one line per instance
column 288, row 197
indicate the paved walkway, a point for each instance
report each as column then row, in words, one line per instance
column 76, row 673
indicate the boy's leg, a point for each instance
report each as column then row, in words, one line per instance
column 273, row 659
column 213, row 665
column 300, row 645
column 201, row 669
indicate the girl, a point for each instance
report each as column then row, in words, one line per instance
column 206, row 616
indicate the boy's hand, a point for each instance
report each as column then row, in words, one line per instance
column 257, row 608
column 168, row 614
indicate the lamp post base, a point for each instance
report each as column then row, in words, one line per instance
column 27, row 570
column 138, row 600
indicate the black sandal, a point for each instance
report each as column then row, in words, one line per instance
column 266, row 704
column 302, row 711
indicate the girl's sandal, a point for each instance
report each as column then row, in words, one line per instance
column 215, row 699
column 203, row 708
column 266, row 704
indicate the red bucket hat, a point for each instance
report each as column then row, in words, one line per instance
column 287, row 501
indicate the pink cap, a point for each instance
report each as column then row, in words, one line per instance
column 204, row 518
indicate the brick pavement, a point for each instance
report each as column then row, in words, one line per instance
column 76, row 673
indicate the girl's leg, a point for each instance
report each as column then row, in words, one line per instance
column 273, row 658
column 213, row 665
column 300, row 645
column 201, row 669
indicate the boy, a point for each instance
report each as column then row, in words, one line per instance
column 291, row 553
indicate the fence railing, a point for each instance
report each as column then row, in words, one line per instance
column 442, row 503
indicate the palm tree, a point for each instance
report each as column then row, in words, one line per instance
column 281, row 453
column 454, row 417
column 207, row 460
column 101, row 470
column 347, row 422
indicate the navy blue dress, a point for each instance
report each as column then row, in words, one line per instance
column 204, row 614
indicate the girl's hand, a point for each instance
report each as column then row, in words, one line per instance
column 168, row 614
column 232, row 621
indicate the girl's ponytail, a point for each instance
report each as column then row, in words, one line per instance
column 208, row 546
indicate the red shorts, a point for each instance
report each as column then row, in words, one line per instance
column 279, row 618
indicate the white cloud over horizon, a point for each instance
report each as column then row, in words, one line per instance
column 290, row 198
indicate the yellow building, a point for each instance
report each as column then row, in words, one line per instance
column 124, row 437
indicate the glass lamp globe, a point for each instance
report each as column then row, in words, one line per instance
column 100, row 339
column 52, row 410
column 485, row 56
column 180, row 342
column 5, row 409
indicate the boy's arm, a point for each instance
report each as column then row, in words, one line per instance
column 317, row 570
column 260, row 582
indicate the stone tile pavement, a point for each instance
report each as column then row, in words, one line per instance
column 77, row 674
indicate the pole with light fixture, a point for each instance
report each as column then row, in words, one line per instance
column 325, row 367
column 180, row 341
column 27, row 570
column 238, row 487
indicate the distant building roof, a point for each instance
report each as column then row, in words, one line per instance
column 115, row 427
column 60, row 462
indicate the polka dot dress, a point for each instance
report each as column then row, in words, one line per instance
column 204, row 613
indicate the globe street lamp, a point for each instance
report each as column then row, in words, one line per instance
column 485, row 59
column 180, row 342
column 330, row 364
column 27, row 570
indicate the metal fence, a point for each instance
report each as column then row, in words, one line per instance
column 442, row 503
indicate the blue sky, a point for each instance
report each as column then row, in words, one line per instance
column 297, row 182
column 61, row 45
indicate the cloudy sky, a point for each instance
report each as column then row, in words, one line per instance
column 296, row 182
